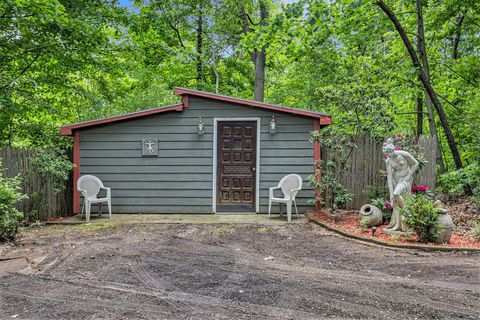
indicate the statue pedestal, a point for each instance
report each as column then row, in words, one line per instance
column 397, row 224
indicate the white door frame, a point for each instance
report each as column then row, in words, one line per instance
column 214, row 171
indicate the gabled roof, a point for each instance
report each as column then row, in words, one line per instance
column 252, row 103
column 66, row 130
column 324, row 119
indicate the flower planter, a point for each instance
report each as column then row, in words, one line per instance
column 444, row 229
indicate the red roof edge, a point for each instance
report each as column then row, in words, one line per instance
column 67, row 130
column 325, row 119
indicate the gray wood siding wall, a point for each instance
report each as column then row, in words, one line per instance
column 179, row 180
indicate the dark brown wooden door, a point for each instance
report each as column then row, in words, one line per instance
column 236, row 165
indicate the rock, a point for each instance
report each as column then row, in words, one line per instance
column 371, row 214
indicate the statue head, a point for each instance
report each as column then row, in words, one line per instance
column 388, row 147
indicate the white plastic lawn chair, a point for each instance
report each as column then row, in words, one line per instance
column 290, row 185
column 90, row 186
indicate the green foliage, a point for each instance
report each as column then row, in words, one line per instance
column 339, row 195
column 421, row 214
column 10, row 218
column 452, row 184
column 475, row 231
column 53, row 166
column 363, row 224
column 331, row 169
column 66, row 61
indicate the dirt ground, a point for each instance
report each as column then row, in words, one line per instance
column 242, row 271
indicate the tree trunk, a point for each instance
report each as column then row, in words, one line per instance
column 426, row 83
column 419, row 115
column 199, row 76
column 258, row 56
column 261, row 57
column 422, row 51
column 259, row 90
column 456, row 38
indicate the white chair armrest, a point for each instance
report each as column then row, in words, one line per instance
column 270, row 193
column 109, row 191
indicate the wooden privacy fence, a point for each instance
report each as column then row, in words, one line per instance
column 362, row 176
column 42, row 203
column 364, row 173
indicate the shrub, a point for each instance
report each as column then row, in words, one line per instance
column 363, row 224
column 328, row 182
column 475, row 232
column 10, row 218
column 53, row 167
column 453, row 184
column 421, row 214
column 331, row 170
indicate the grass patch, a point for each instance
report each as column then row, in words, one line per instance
column 222, row 229
column 263, row 229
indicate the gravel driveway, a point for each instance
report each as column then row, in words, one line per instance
column 241, row 271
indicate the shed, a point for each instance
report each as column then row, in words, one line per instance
column 208, row 154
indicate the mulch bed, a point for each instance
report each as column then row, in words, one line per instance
column 349, row 222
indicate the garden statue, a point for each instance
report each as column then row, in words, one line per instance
column 401, row 166
column 372, row 215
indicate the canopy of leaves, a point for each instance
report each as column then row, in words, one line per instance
column 65, row 61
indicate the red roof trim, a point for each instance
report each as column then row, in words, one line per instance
column 69, row 128
column 325, row 118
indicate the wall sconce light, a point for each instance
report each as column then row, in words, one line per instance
column 273, row 126
column 200, row 130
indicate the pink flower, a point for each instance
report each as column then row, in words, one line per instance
column 423, row 188
column 387, row 205
column 400, row 136
column 397, row 148
column 415, row 188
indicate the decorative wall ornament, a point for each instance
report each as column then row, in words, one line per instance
column 149, row 147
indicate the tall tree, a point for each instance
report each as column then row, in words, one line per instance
column 422, row 52
column 258, row 55
column 425, row 80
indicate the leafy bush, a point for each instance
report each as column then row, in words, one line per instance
column 331, row 169
column 339, row 194
column 421, row 214
column 10, row 218
column 363, row 224
column 452, row 184
column 54, row 166
column 475, row 232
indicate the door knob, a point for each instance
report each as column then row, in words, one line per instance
column 253, row 168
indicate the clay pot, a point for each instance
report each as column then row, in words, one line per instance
column 371, row 214
column 444, row 229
